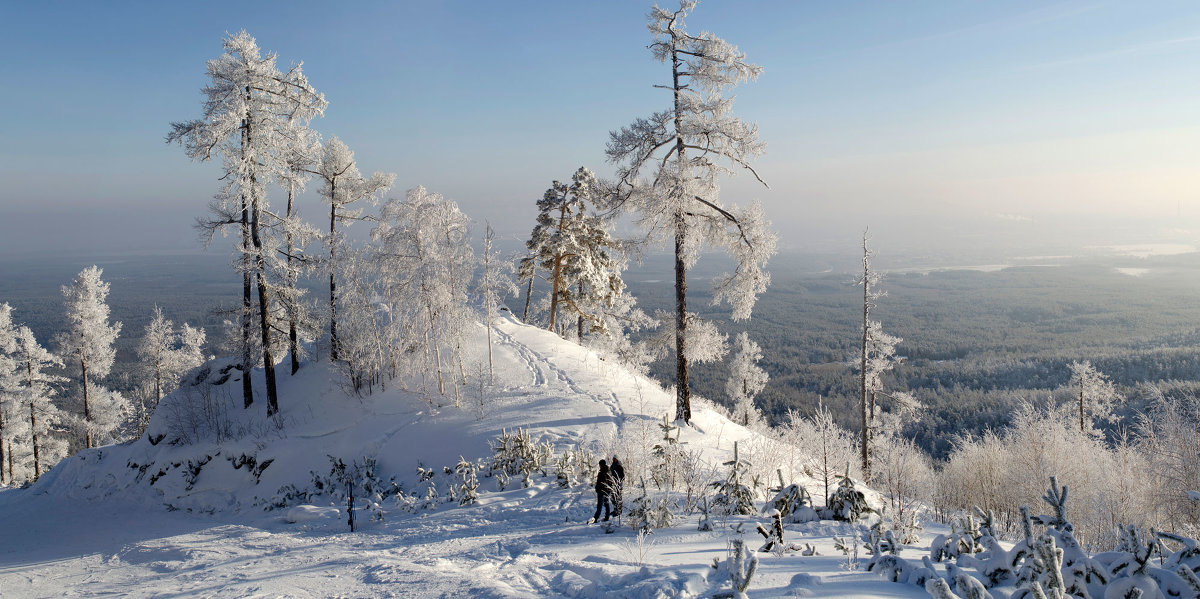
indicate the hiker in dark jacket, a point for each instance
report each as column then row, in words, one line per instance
column 603, row 492
column 618, row 484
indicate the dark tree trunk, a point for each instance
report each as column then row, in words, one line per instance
column 579, row 322
column 87, row 409
column 247, row 359
column 260, row 269
column 528, row 295
column 683, row 391
column 264, row 310
column 293, row 336
column 333, row 338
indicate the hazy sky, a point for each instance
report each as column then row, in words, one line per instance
column 917, row 118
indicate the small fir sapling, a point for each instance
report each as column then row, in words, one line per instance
column 731, row 493
column 741, row 564
column 666, row 454
column 468, row 483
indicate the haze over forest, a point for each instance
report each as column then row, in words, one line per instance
column 999, row 129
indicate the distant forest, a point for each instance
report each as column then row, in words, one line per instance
column 975, row 344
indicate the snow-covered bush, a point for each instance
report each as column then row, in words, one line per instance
column 847, row 502
column 741, row 565
column 515, row 453
column 468, row 484
column 650, row 510
column 793, row 503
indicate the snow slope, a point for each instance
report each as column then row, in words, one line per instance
column 143, row 519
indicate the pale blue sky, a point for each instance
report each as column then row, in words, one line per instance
column 881, row 113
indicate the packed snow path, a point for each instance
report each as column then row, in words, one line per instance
column 518, row 543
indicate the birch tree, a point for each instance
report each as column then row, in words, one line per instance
column 670, row 163
column 423, row 247
column 342, row 185
column 87, row 349
column 252, row 114
column 495, row 284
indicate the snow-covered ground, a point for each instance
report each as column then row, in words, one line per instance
column 97, row 526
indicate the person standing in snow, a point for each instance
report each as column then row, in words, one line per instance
column 618, row 484
column 603, row 492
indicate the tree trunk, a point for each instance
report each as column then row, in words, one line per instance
column 579, row 322
column 264, row 310
column 683, row 390
column 491, row 371
column 87, row 410
column 32, row 420
column 528, row 295
column 556, row 277
column 333, row 340
column 1081, row 404
column 247, row 364
column 293, row 337
column 33, row 434
column 437, row 352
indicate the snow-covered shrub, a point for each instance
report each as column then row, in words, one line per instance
column 516, row 453
column 793, row 503
column 741, row 565
column 650, row 510
column 468, row 484
column 847, row 502
column 359, row 479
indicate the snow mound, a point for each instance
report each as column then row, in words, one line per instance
column 203, row 451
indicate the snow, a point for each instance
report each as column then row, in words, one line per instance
column 92, row 526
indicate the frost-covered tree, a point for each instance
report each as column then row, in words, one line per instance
column 1095, row 394
column 495, row 284
column 670, row 163
column 572, row 245
column 746, row 378
column 830, row 446
column 427, row 261
column 87, row 349
column 299, row 160
column 253, row 114
column 877, row 355
column 342, row 186
column 166, row 353
column 8, row 397
column 35, row 390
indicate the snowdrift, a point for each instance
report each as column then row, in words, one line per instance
column 203, row 452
